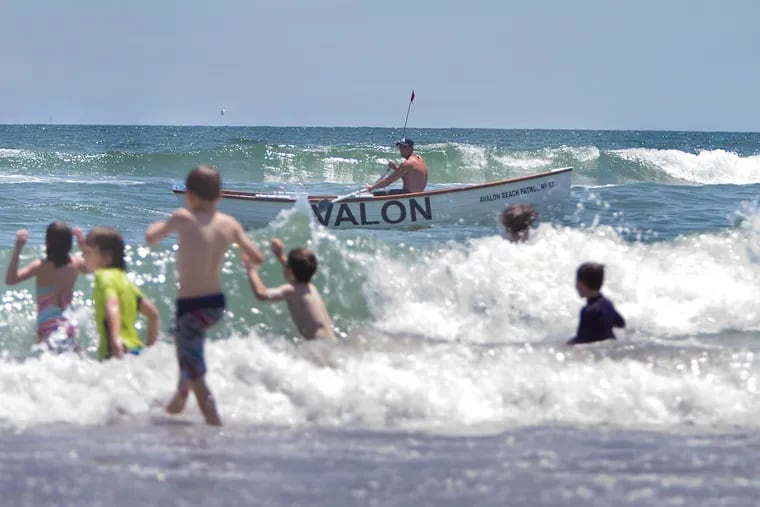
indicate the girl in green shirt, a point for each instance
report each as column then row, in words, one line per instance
column 118, row 301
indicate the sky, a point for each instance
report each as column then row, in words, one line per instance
column 581, row 64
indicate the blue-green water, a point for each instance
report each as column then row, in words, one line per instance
column 447, row 329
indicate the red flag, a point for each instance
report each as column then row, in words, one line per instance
column 412, row 99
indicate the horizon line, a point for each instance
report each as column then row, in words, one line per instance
column 207, row 125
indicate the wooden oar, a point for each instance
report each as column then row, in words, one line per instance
column 324, row 202
column 349, row 195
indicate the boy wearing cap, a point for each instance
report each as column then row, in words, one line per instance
column 413, row 171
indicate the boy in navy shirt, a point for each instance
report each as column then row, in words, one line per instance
column 599, row 316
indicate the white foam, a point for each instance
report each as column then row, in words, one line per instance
column 80, row 158
column 99, row 180
column 340, row 160
column 524, row 161
column 334, row 169
column 480, row 158
column 581, row 153
column 23, row 178
column 14, row 153
column 705, row 167
column 473, row 156
column 506, row 292
column 463, row 337
column 380, row 382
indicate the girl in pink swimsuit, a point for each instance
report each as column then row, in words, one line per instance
column 54, row 280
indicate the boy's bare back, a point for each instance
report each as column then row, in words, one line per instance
column 204, row 235
column 308, row 310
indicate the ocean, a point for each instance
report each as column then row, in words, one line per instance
column 450, row 384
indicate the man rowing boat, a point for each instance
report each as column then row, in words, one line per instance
column 413, row 171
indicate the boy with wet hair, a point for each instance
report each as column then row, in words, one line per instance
column 204, row 235
column 517, row 220
column 307, row 309
column 599, row 316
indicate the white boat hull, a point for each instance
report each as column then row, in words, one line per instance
column 469, row 204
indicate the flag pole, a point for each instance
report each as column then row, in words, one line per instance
column 403, row 132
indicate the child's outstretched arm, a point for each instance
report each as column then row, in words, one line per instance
column 260, row 290
column 157, row 231
column 162, row 228
column 15, row 275
column 149, row 310
column 257, row 286
column 113, row 323
column 247, row 247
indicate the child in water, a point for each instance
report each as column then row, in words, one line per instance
column 204, row 236
column 307, row 309
column 517, row 220
column 55, row 276
column 54, row 284
column 118, row 301
column 599, row 316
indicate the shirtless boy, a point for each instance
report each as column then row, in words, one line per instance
column 307, row 309
column 204, row 235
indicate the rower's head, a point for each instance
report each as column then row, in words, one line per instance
column 302, row 264
column 405, row 146
column 203, row 186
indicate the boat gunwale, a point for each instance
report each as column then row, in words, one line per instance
column 254, row 196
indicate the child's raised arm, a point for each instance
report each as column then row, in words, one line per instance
column 260, row 290
column 79, row 235
column 278, row 249
column 15, row 275
column 78, row 260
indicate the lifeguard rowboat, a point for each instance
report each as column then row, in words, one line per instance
column 468, row 203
